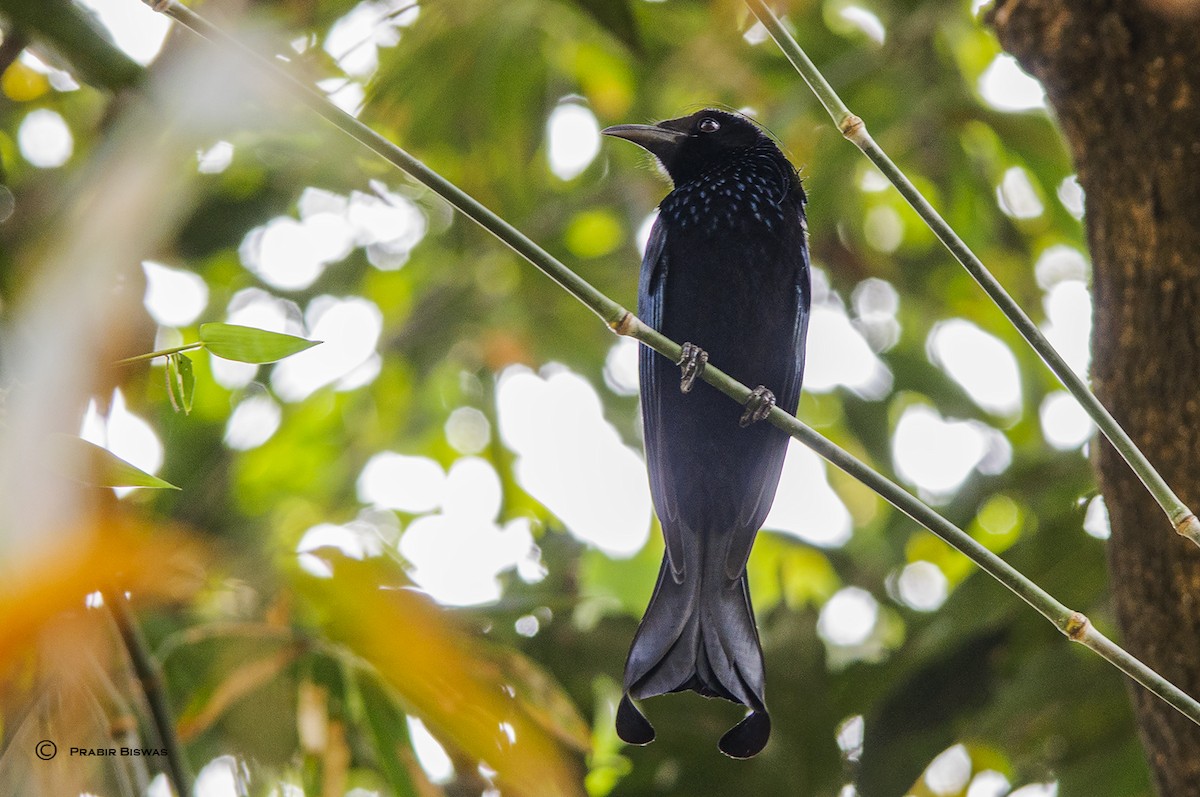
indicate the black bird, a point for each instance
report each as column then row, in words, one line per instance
column 726, row 270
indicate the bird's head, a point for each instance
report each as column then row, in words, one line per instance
column 691, row 145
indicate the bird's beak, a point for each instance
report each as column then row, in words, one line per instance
column 659, row 141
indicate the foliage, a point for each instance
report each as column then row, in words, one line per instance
column 267, row 663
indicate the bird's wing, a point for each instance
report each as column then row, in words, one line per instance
column 788, row 399
column 651, row 287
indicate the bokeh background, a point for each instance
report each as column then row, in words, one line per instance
column 467, row 426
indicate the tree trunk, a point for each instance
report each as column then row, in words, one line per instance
column 1124, row 81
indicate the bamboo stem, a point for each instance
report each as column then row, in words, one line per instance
column 623, row 322
column 855, row 130
column 160, row 353
column 150, row 678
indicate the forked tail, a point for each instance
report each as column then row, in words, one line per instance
column 698, row 634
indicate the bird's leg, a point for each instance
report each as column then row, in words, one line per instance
column 758, row 406
column 692, row 363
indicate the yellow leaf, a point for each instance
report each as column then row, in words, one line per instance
column 111, row 551
column 593, row 233
column 442, row 675
column 22, row 84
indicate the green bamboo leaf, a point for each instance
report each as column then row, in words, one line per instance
column 389, row 733
column 187, row 382
column 88, row 463
column 171, row 375
column 250, row 345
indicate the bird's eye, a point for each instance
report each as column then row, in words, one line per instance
column 709, row 125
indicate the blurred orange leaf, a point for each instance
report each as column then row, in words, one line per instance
column 446, row 678
column 111, row 551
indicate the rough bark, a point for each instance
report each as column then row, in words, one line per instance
column 1124, row 82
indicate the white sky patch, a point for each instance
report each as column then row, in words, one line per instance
column 356, row 539
column 883, row 228
column 222, row 777
column 473, row 491
column 572, row 460
column 468, row 430
column 349, row 329
column 872, row 181
column 123, row 433
column 387, row 224
column 922, row 586
column 848, row 618
column 1007, row 87
column 1017, row 196
column 60, row 80
column 805, row 505
column 1036, row 790
column 159, row 787
column 314, row 201
column 988, row 783
column 174, row 297
column 430, row 754
column 850, row 736
column 44, row 139
column 876, row 304
column 455, row 553
column 362, row 375
column 456, row 560
column 838, row 355
column 355, row 39
column 527, row 626
column 949, row 773
column 981, row 363
column 135, row 28
column 281, row 254
column 348, row 95
column 1070, row 194
column 934, row 454
column 573, row 138
column 1060, row 263
column 254, row 307
column 621, row 367
column 215, row 159
column 756, row 34
column 395, row 481
column 1068, row 324
column 291, row 254
column 1065, row 424
column 866, row 21
column 1095, row 519
column 253, row 421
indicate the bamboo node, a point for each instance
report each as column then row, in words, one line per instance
column 851, row 127
column 1077, row 626
column 625, row 324
column 1189, row 527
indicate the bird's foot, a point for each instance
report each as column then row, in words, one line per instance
column 692, row 364
column 758, row 406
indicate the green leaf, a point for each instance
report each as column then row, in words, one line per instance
column 180, row 396
column 171, row 376
column 187, row 382
column 88, row 463
column 389, row 734
column 250, row 345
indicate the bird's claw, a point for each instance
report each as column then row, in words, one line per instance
column 692, row 363
column 758, row 406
